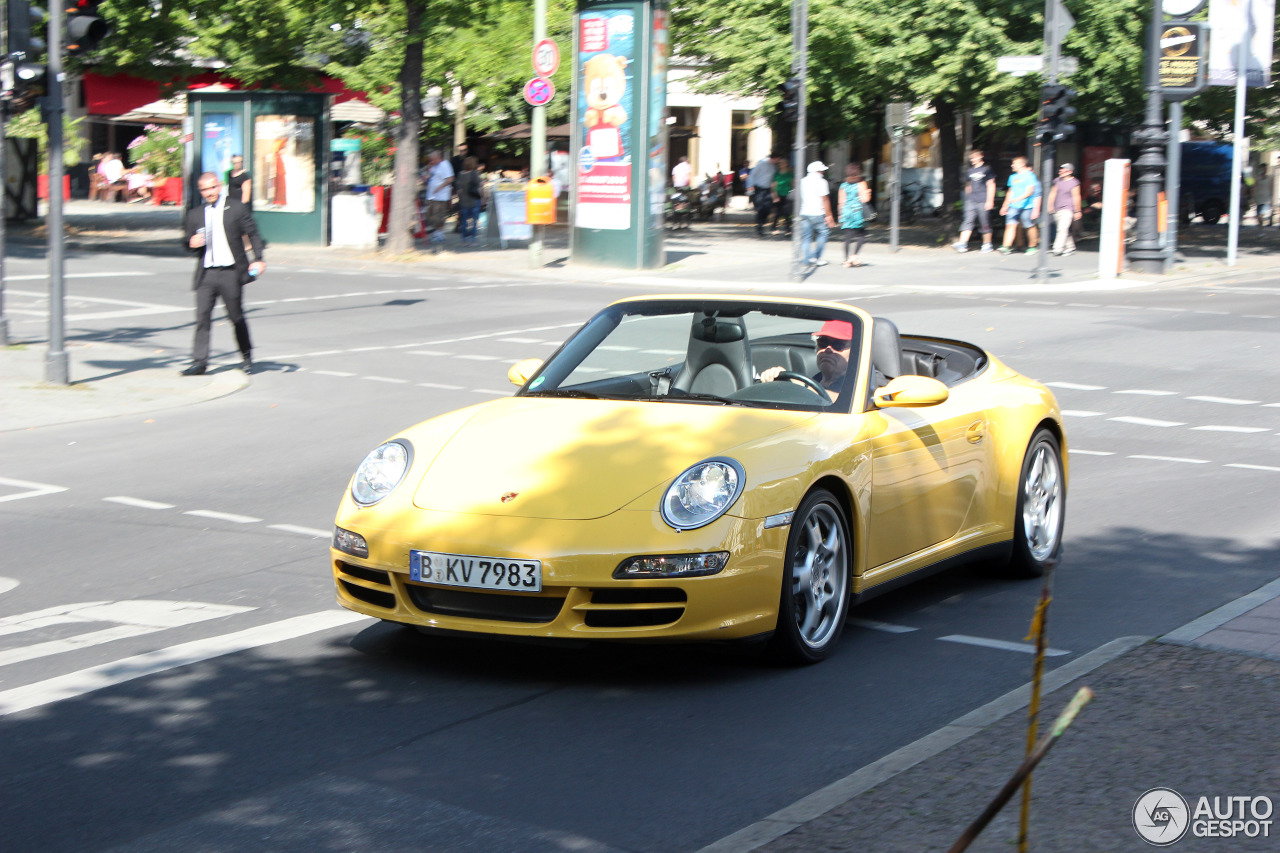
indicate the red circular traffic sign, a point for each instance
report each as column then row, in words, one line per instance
column 539, row 91
column 546, row 58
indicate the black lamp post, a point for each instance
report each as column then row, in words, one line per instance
column 1146, row 254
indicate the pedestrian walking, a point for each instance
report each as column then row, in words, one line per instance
column 215, row 233
column 852, row 195
column 1263, row 193
column 439, row 193
column 1067, row 208
column 783, row 184
column 240, row 182
column 815, row 214
column 470, row 196
column 760, row 185
column 681, row 174
column 979, row 200
column 1021, row 206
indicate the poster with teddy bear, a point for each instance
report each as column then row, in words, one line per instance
column 606, row 51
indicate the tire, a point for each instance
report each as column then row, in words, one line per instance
column 815, row 581
column 1212, row 212
column 1041, row 508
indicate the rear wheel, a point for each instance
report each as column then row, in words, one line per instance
column 1041, row 510
column 815, row 581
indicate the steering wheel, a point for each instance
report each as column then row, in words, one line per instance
column 805, row 380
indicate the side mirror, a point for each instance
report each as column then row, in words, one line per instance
column 522, row 370
column 911, row 392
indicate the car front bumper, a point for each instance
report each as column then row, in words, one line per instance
column 580, row 598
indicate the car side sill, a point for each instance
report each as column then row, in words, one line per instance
column 995, row 552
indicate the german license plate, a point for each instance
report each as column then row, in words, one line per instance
column 466, row 570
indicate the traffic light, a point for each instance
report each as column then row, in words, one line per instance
column 22, row 72
column 1056, row 113
column 790, row 106
column 85, row 28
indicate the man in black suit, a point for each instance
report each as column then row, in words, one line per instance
column 215, row 233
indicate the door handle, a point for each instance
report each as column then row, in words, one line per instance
column 976, row 432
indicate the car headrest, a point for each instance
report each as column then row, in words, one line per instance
column 886, row 348
column 718, row 331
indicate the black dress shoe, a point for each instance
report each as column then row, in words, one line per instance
column 195, row 370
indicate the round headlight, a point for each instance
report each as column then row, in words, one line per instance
column 702, row 493
column 381, row 471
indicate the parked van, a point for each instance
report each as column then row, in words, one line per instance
column 1205, row 180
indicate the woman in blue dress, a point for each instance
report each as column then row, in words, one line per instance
column 853, row 194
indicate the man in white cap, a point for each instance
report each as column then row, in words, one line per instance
column 816, row 220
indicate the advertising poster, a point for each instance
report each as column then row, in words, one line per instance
column 1233, row 21
column 223, row 137
column 606, row 98
column 284, row 173
column 660, row 51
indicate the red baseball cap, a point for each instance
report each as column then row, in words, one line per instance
column 841, row 330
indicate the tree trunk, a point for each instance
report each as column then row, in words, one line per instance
column 402, row 221
column 944, row 114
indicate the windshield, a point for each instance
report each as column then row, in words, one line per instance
column 709, row 352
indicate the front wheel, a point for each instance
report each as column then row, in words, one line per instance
column 815, row 581
column 1041, row 510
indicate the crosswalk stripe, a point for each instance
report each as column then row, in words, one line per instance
column 94, row 678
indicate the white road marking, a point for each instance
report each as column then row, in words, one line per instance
column 1170, row 459
column 1220, row 428
column 887, row 627
column 117, row 672
column 33, row 490
column 137, row 502
column 440, row 386
column 128, row 308
column 386, row 379
column 1230, row 401
column 1074, row 386
column 481, row 357
column 44, row 276
column 147, row 613
column 491, row 392
column 431, row 352
column 7, row 584
column 332, row 373
column 305, row 531
column 1080, row 413
column 1146, row 392
column 1005, row 645
column 1152, row 422
column 223, row 516
column 1251, row 467
column 1075, row 450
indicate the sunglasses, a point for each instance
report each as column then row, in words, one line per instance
column 824, row 342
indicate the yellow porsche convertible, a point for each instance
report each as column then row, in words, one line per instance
column 707, row 468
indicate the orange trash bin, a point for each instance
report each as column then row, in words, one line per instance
column 540, row 202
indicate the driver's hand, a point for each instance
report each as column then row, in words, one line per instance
column 770, row 374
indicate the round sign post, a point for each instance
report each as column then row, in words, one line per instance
column 546, row 58
column 539, row 91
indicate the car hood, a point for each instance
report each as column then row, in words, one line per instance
column 576, row 459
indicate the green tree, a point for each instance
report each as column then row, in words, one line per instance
column 936, row 53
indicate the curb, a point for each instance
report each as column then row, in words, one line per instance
column 962, row 728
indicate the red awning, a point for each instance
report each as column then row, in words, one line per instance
column 120, row 93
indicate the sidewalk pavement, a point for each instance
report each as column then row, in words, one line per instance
column 1196, row 710
column 719, row 255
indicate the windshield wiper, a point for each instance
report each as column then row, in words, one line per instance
column 563, row 392
column 695, row 398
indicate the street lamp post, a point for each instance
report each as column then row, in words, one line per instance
column 1146, row 254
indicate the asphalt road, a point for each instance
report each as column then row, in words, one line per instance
column 266, row 718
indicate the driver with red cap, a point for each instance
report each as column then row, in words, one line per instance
column 833, row 342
